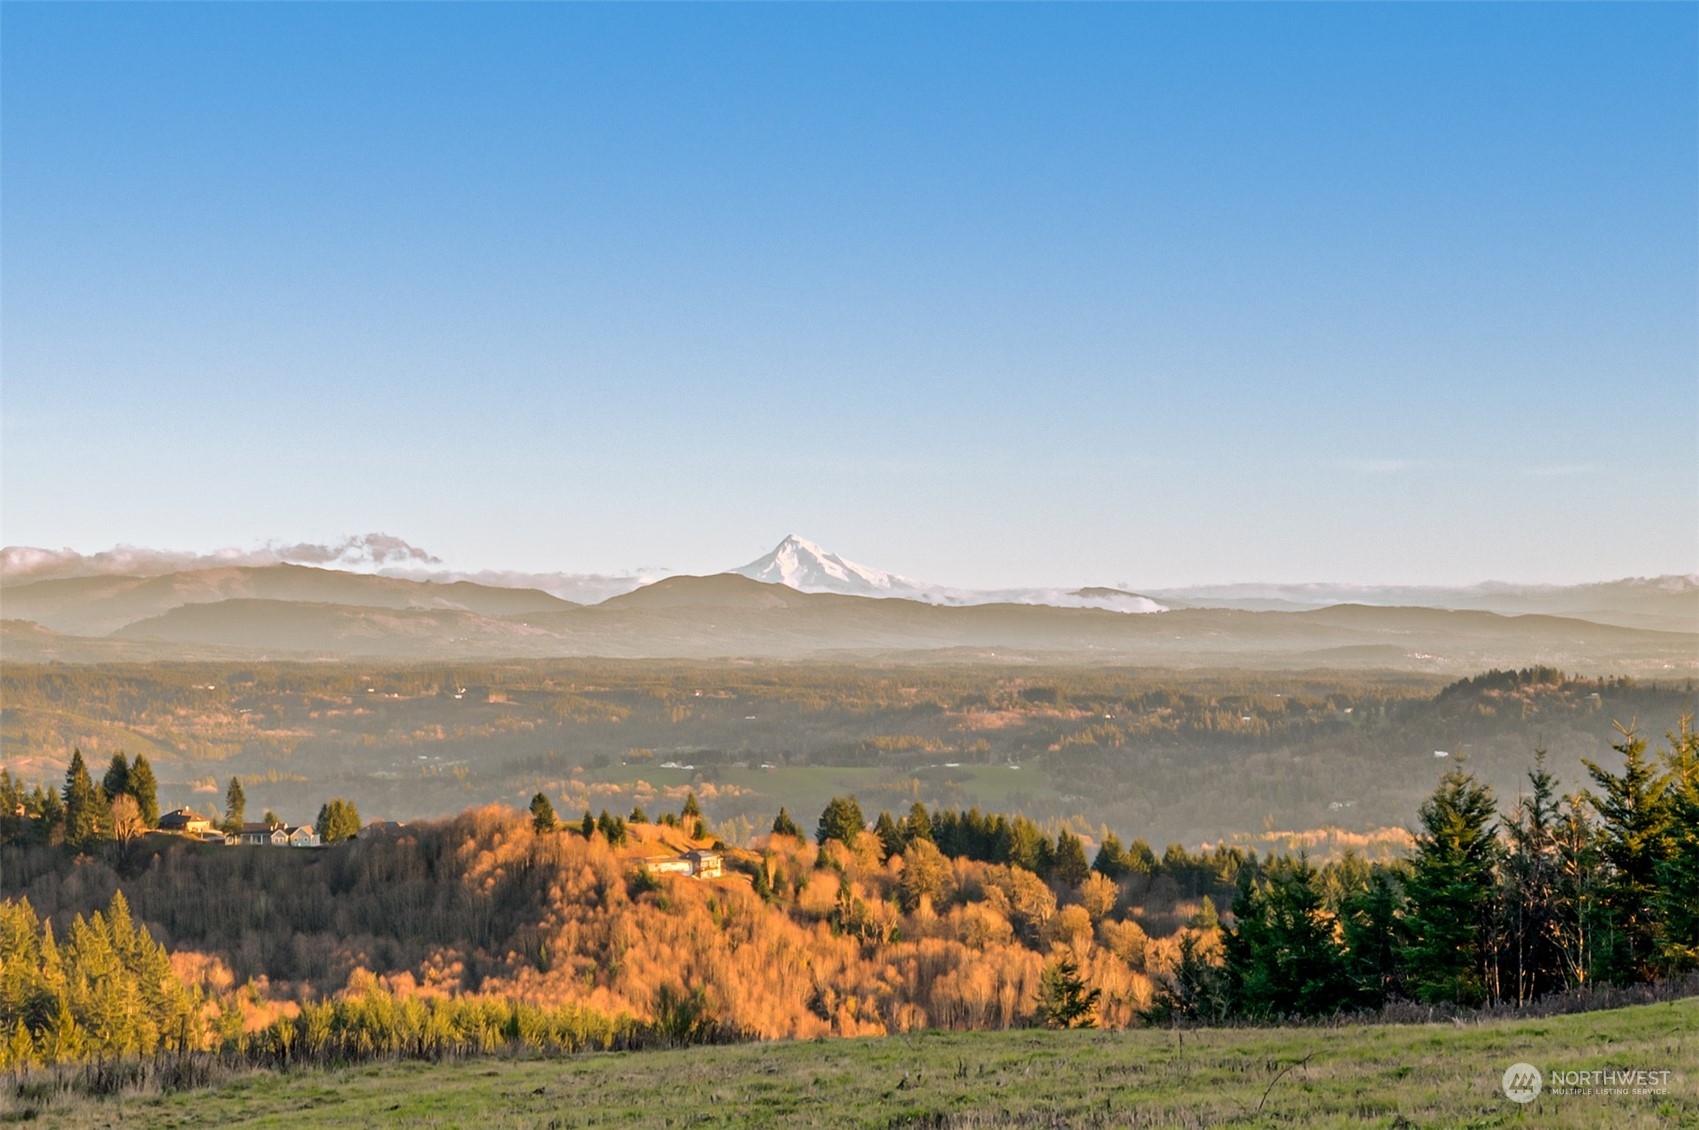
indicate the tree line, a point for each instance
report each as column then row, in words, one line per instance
column 1556, row 893
column 124, row 805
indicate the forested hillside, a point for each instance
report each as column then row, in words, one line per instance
column 929, row 918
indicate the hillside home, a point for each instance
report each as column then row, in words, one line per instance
column 705, row 864
column 255, row 832
column 278, row 835
column 698, row 863
column 184, row 820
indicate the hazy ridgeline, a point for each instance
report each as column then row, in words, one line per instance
column 1166, row 755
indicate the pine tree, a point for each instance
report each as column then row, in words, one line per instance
column 49, row 827
column 1451, row 888
column 609, row 829
column 587, row 825
column 1635, row 837
column 783, row 825
column 889, row 837
column 1111, row 858
column 145, row 789
column 1063, row 999
column 542, row 814
column 83, row 804
column 116, row 782
column 338, row 820
column 1530, row 956
column 1677, row 898
column 1069, row 865
column 1282, row 959
column 692, row 809
column 840, row 820
column 235, row 806
column 1372, row 925
column 917, row 825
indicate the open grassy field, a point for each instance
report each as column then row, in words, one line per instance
column 1439, row 1075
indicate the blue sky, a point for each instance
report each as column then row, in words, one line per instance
column 986, row 295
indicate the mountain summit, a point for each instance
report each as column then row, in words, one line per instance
column 802, row 565
column 805, row 566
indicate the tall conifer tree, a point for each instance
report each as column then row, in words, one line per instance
column 145, row 789
column 1451, row 889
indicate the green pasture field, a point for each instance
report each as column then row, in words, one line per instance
column 1430, row 1075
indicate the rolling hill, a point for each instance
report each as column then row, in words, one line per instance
column 95, row 606
column 726, row 615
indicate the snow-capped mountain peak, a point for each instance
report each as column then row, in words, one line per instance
column 807, row 567
column 803, row 565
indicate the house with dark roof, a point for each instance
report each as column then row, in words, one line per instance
column 185, row 820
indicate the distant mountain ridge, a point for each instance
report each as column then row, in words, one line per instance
column 100, row 605
column 99, row 594
column 1668, row 603
column 731, row 616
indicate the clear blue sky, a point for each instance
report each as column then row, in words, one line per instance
column 982, row 294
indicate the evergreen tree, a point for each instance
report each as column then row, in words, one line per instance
column 1282, row 959
column 890, row 838
column 1069, row 866
column 1530, row 958
column 145, row 789
column 587, row 825
column 236, row 806
column 692, row 810
column 49, row 827
column 1111, row 860
column 841, row 820
column 638, row 816
column 84, row 806
column 1371, row 922
column 611, row 830
column 338, row 820
column 14, row 810
column 1140, row 860
column 116, row 782
column 1677, row 898
column 1451, row 888
column 783, row 825
column 1635, row 836
column 542, row 814
column 1063, row 999
column 916, row 825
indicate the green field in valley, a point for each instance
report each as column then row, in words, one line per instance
column 1431, row 1075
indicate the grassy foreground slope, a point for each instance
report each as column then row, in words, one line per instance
column 1439, row 1075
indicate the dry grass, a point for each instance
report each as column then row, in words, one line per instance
column 1431, row 1075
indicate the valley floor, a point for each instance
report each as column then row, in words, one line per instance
column 1438, row 1075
